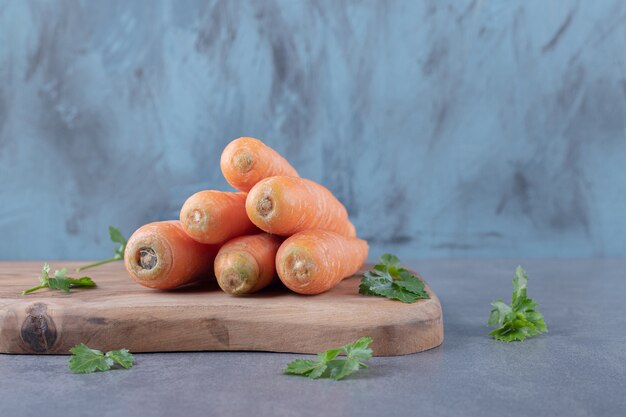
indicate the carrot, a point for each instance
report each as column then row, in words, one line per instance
column 314, row 261
column 161, row 255
column 246, row 264
column 288, row 205
column 215, row 216
column 246, row 161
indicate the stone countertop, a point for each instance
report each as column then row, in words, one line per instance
column 577, row 369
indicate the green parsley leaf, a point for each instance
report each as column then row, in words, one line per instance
column 389, row 259
column 59, row 281
column 520, row 320
column 122, row 356
column 499, row 313
column 116, row 237
column 86, row 360
column 81, row 282
column 301, row 366
column 339, row 369
column 329, row 365
column 62, row 284
column 45, row 272
column 359, row 350
column 389, row 279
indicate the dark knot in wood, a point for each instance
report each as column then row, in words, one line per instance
column 38, row 330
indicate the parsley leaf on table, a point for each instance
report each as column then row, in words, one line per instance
column 122, row 356
column 116, row 237
column 519, row 320
column 59, row 281
column 86, row 360
column 389, row 279
column 329, row 365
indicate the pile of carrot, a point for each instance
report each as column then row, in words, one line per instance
column 276, row 227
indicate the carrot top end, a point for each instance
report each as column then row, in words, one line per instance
column 148, row 259
column 234, row 282
column 299, row 267
column 240, row 274
column 196, row 218
column 265, row 206
column 243, row 162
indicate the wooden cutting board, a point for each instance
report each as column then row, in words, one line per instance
column 120, row 313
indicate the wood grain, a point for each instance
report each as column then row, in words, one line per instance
column 120, row 313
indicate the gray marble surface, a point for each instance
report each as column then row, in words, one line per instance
column 577, row 369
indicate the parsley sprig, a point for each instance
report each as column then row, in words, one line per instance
column 59, row 281
column 519, row 320
column 116, row 237
column 389, row 279
column 85, row 359
column 329, row 365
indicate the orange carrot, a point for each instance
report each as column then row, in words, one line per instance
column 314, row 261
column 246, row 161
column 247, row 264
column 215, row 216
column 288, row 205
column 161, row 255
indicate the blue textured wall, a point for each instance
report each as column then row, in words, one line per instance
column 460, row 128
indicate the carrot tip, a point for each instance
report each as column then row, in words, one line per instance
column 240, row 277
column 234, row 282
column 243, row 161
column 196, row 219
column 265, row 206
column 299, row 267
column 147, row 258
column 237, row 281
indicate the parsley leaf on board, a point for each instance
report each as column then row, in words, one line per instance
column 85, row 360
column 328, row 364
column 59, row 281
column 519, row 320
column 389, row 279
column 116, row 237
